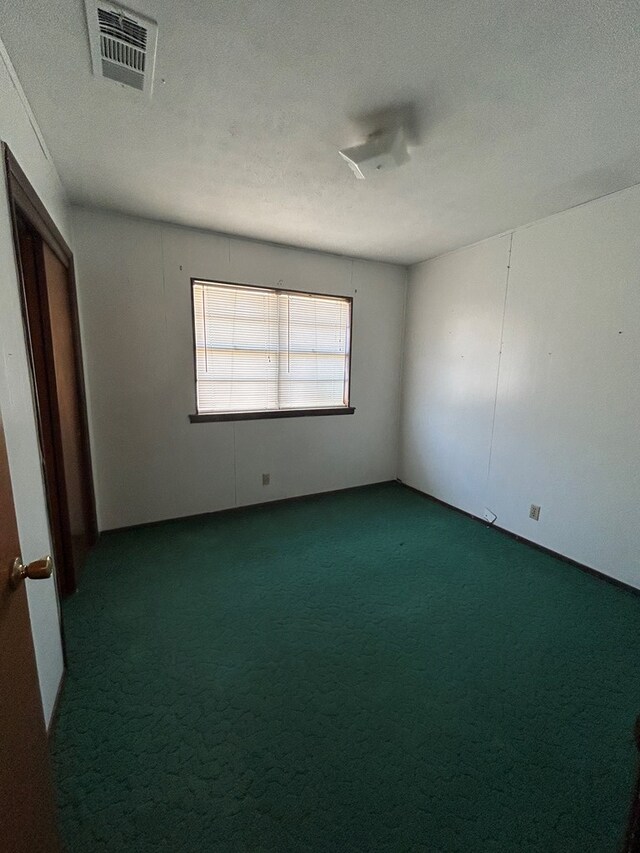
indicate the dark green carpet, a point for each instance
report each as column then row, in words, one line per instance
column 366, row 671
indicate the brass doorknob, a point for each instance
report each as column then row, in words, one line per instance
column 36, row 571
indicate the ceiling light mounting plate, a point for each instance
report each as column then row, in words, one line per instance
column 382, row 151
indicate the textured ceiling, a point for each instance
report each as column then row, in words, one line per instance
column 518, row 109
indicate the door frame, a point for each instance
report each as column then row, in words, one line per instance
column 25, row 204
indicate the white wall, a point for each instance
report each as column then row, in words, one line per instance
column 18, row 129
column 150, row 462
column 553, row 420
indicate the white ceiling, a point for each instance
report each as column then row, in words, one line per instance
column 519, row 108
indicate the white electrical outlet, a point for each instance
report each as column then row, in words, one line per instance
column 266, row 479
column 534, row 512
column 489, row 515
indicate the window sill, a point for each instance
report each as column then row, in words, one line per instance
column 256, row 416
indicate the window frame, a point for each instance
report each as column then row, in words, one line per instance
column 266, row 414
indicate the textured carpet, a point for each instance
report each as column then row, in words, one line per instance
column 364, row 671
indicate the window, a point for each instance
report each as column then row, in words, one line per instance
column 263, row 352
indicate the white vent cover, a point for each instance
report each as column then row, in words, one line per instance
column 123, row 44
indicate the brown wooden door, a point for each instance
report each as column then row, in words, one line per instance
column 54, row 347
column 45, row 267
column 69, row 405
column 27, row 812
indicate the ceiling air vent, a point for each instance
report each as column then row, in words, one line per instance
column 123, row 44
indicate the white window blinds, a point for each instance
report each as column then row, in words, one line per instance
column 259, row 349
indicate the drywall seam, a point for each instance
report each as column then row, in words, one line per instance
column 495, row 396
column 235, row 468
column 517, row 228
column 164, row 283
column 199, row 229
column 400, row 415
column 11, row 71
